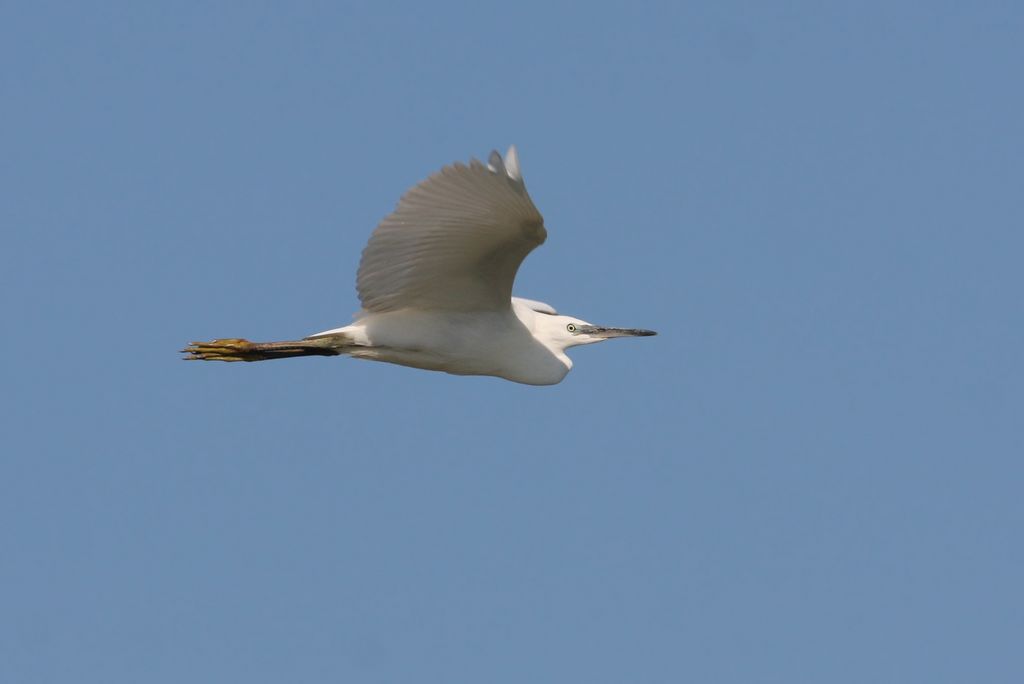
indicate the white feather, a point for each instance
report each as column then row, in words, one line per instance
column 454, row 243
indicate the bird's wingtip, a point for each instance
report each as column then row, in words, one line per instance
column 509, row 165
column 512, row 163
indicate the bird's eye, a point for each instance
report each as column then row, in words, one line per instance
column 571, row 327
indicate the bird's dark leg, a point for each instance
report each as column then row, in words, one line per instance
column 234, row 349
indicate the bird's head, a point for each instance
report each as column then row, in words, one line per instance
column 563, row 332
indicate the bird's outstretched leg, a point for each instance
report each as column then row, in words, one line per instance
column 234, row 349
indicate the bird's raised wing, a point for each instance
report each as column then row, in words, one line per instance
column 454, row 242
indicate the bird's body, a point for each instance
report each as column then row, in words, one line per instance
column 435, row 281
column 501, row 343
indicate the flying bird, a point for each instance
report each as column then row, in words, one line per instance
column 435, row 282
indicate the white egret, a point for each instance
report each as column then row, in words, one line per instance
column 435, row 282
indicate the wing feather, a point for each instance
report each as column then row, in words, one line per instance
column 454, row 242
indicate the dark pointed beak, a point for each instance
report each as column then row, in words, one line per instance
column 608, row 333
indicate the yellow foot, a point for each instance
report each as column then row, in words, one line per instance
column 232, row 349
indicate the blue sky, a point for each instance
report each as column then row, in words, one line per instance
column 812, row 474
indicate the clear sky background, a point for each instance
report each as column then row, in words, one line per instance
column 813, row 474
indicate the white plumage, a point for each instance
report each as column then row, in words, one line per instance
column 435, row 282
column 454, row 242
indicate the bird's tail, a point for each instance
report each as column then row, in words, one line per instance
column 234, row 349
